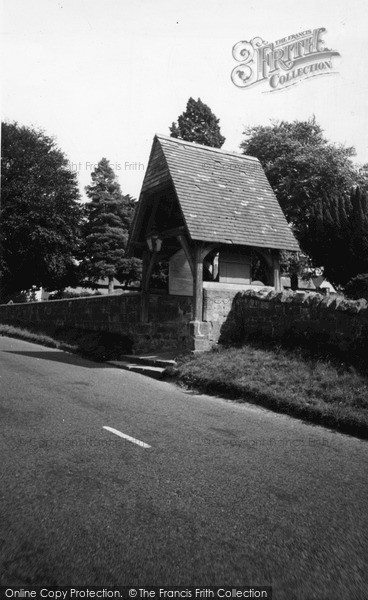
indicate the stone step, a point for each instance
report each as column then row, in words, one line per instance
column 153, row 360
column 149, row 370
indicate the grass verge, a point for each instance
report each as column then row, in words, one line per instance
column 36, row 338
column 316, row 390
column 95, row 345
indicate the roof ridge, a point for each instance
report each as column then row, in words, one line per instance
column 203, row 147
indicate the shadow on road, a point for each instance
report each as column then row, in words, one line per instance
column 61, row 357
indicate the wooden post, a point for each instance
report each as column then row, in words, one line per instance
column 185, row 247
column 198, row 285
column 294, row 281
column 276, row 271
column 149, row 259
column 144, row 291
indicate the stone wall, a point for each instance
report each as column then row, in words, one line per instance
column 217, row 303
column 168, row 325
column 229, row 316
column 322, row 322
column 99, row 313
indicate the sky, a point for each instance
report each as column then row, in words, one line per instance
column 103, row 76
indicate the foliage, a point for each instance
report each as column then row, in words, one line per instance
column 296, row 265
column 337, row 235
column 312, row 179
column 357, row 287
column 160, row 276
column 198, row 124
column 301, row 166
column 109, row 215
column 40, row 214
column 64, row 294
column 23, row 296
column 31, row 336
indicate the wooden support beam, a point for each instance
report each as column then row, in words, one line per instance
column 207, row 248
column 272, row 260
column 138, row 244
column 188, row 255
column 150, row 267
column 199, row 252
column 168, row 233
column 147, row 266
column 144, row 291
column 198, row 285
column 276, row 270
column 151, row 221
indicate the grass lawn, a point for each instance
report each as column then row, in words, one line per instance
column 286, row 381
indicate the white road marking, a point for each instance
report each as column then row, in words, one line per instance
column 126, row 437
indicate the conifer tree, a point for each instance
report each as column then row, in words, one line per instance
column 337, row 235
column 108, row 218
column 198, row 124
column 312, row 179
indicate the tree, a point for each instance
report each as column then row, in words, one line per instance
column 337, row 235
column 109, row 215
column 307, row 172
column 357, row 287
column 198, row 124
column 301, row 166
column 40, row 213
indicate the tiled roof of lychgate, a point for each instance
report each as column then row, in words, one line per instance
column 225, row 197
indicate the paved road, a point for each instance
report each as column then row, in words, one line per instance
column 227, row 494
